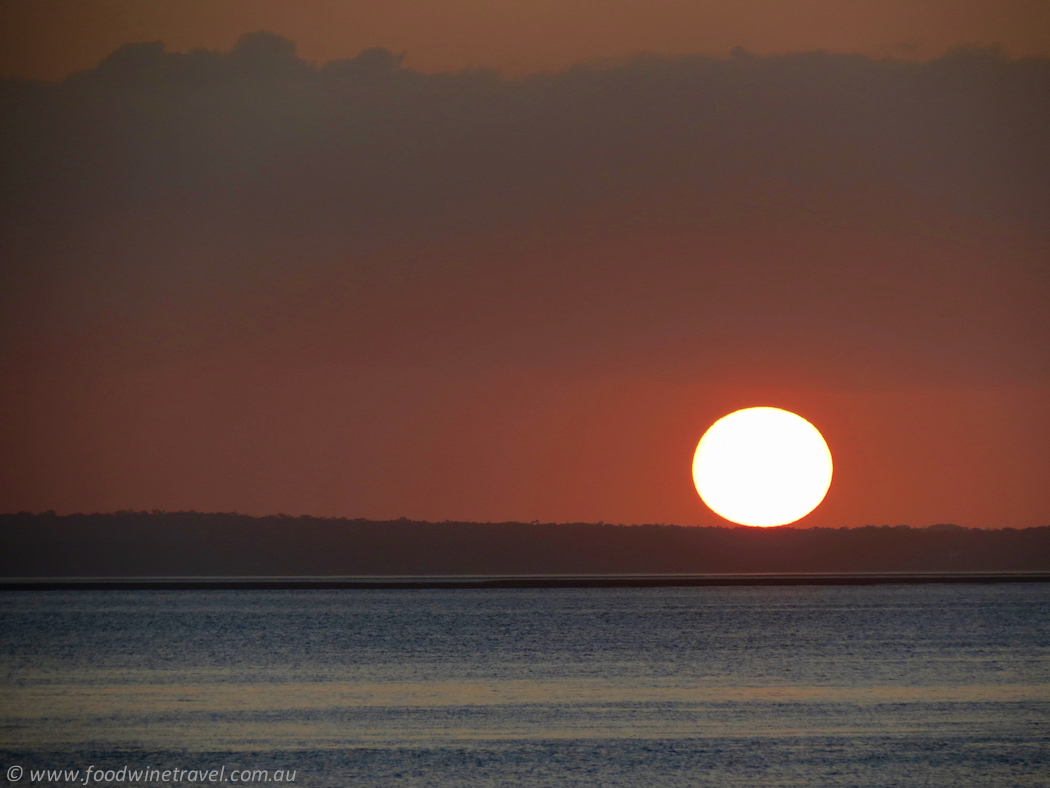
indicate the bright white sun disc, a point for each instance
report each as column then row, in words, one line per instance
column 762, row 466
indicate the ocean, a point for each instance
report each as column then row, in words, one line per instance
column 891, row 685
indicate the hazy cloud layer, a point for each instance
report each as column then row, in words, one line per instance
column 811, row 214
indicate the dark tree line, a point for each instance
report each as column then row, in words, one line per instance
column 187, row 544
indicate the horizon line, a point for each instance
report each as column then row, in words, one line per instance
column 510, row 582
column 947, row 526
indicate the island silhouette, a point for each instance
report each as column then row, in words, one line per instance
column 194, row 544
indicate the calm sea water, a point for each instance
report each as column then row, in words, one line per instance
column 805, row 686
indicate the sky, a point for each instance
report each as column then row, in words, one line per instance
column 48, row 39
column 508, row 261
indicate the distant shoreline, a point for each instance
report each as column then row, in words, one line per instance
column 504, row 582
column 178, row 547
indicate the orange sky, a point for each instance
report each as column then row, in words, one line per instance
column 235, row 281
column 48, row 39
column 507, row 444
column 425, row 399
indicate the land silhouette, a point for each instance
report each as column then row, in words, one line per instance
column 195, row 544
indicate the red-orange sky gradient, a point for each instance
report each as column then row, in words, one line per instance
column 289, row 277
column 48, row 39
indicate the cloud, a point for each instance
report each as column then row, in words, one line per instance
column 824, row 214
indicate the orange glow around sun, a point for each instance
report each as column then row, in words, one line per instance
column 762, row 467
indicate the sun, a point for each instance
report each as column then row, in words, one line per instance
column 762, row 466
